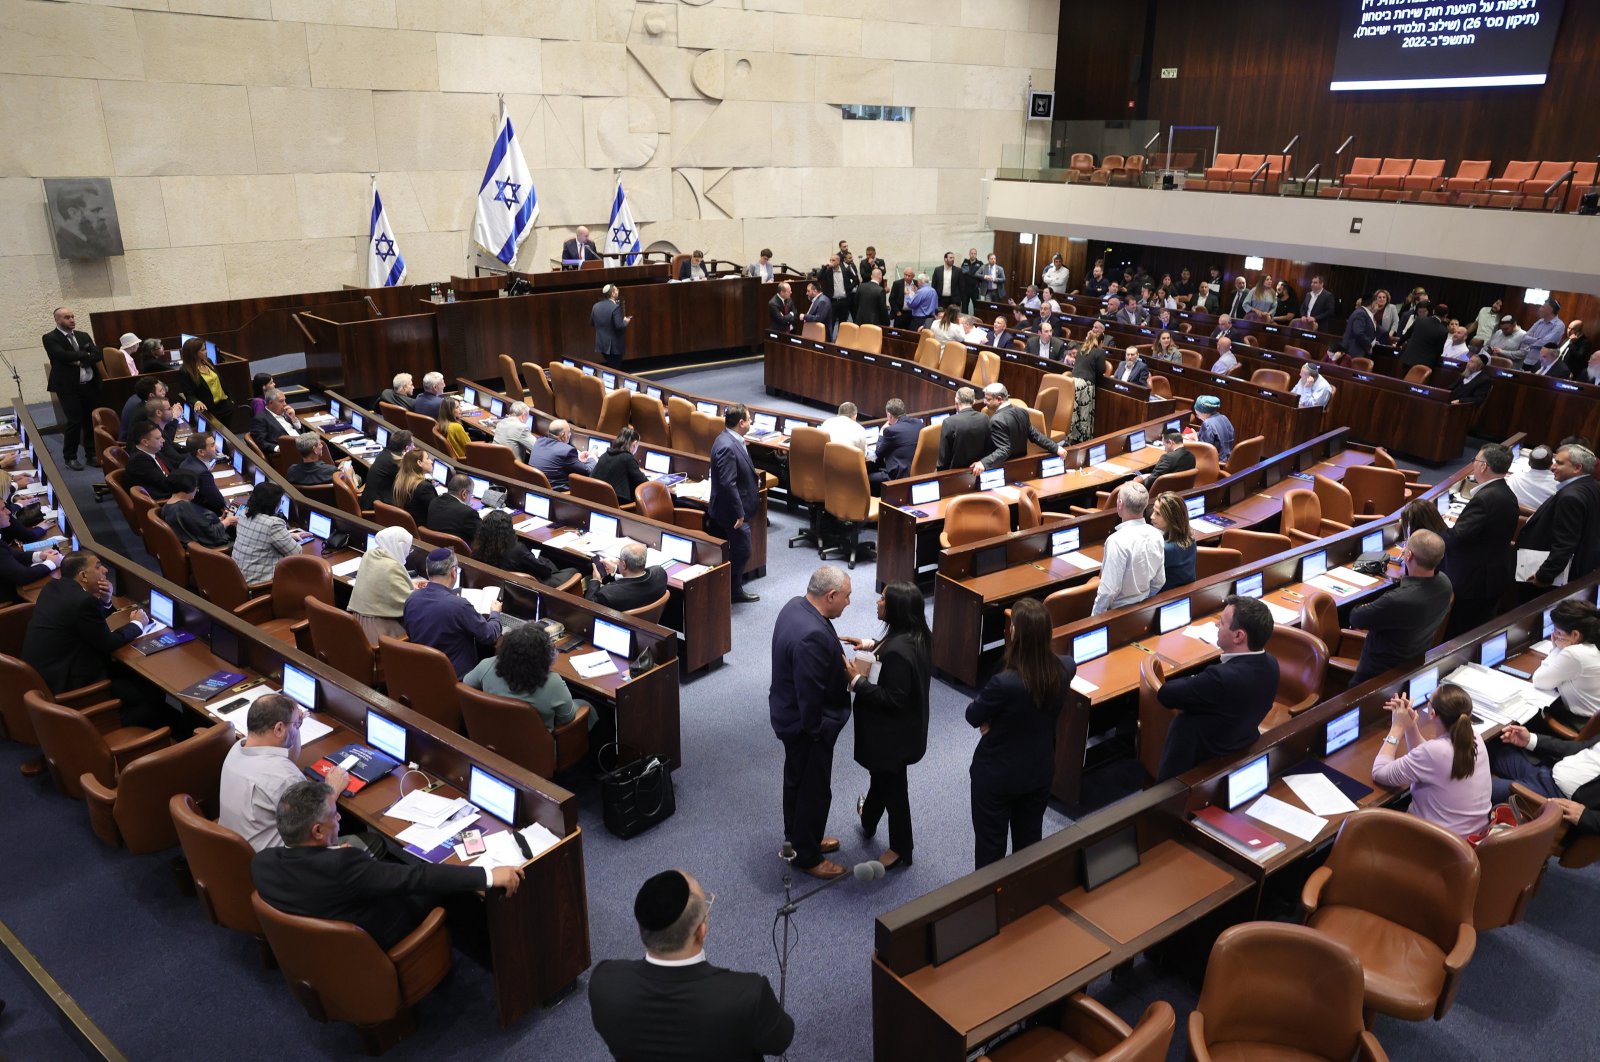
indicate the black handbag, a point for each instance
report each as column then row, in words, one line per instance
column 1375, row 563
column 634, row 795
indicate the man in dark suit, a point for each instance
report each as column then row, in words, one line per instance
column 1425, row 340
column 900, row 293
column 451, row 513
column 274, row 422
column 400, row 392
column 1177, row 458
column 628, row 582
column 963, row 437
column 897, row 442
column 1224, row 328
column 1567, row 526
column 820, row 308
column 1010, row 431
column 200, row 453
column 735, row 494
column 837, row 280
column 1473, row 387
column 1132, row 369
column 1550, row 363
column 1205, row 299
column 1319, row 304
column 1360, row 332
column 159, row 411
column 75, row 381
column 949, row 282
column 381, row 474
column 556, row 457
column 147, row 467
column 1401, row 623
column 872, row 305
column 781, row 314
column 1220, row 707
column 609, row 326
column 673, row 1004
column 313, row 876
column 578, row 250
column 1479, row 557
column 1567, row 772
column 1045, row 344
column 809, row 703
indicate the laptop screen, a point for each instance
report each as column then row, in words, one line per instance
column 1341, row 730
column 764, row 422
column 300, row 687
column 602, row 526
column 1248, row 782
column 386, row 735
column 1090, row 645
column 790, row 425
column 238, row 461
column 1097, row 454
column 497, row 407
column 383, row 436
column 492, row 795
column 320, row 525
column 358, row 422
column 1422, row 685
column 1136, row 441
column 441, row 472
column 283, row 506
column 612, row 637
column 1249, row 586
column 470, row 396
column 708, row 407
column 925, row 493
column 536, row 505
column 656, row 461
column 1313, row 565
column 1173, row 614
column 1493, row 651
column 1052, row 466
column 480, row 487
column 161, row 608
column 677, row 548
column 1372, row 542
column 1064, row 541
column 334, row 408
column 1196, row 505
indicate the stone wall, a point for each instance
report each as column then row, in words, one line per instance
column 240, row 134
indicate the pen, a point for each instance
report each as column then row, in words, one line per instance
column 1291, row 593
column 1143, row 648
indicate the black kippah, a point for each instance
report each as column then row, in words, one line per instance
column 661, row 901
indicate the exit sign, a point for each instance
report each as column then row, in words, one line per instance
column 1169, row 72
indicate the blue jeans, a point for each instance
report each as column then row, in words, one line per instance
column 1511, row 764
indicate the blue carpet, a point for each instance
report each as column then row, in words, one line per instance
column 164, row 983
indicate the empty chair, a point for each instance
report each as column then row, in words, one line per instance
column 1511, row 179
column 704, row 429
column 162, row 541
column 655, row 502
column 1320, row 615
column 513, row 729
column 564, row 389
column 1254, row 546
column 1277, row 379
column 1221, row 170
column 814, row 331
column 438, row 539
column 651, row 613
column 597, row 491
column 394, row 516
column 1191, row 358
column 1391, row 174
column 219, row 864
column 1029, row 514
column 493, row 459
column 807, row 478
column 1089, row 1032
column 1302, row 660
column 1375, row 491
column 1361, row 172
column 1418, row 374
column 1213, row 560
column 1470, row 175
column 1072, row 604
column 1160, row 386
column 986, row 370
column 1303, row 521
column 1335, row 501
column 953, row 359
column 133, row 813
column 591, row 395
column 18, row 678
column 615, row 409
column 1155, row 718
column 1425, row 175
column 846, row 336
column 339, row 973
column 928, row 351
column 848, row 496
column 296, row 578
column 1399, row 892
column 1206, row 466
column 338, row 640
column 1511, row 864
column 869, row 339
column 1082, row 162
column 972, row 517
column 1246, row 452
column 1177, row 482
column 1361, row 364
column 925, row 458
column 1277, row 991
column 90, row 742
column 649, row 419
column 539, row 394
column 421, row 678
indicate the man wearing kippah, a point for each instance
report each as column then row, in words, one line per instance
column 438, row 617
column 673, row 1004
column 1215, row 428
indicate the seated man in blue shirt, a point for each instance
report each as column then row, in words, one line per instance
column 438, row 617
column 1215, row 428
column 897, row 443
column 557, row 458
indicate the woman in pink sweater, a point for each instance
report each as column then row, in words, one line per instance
column 1448, row 774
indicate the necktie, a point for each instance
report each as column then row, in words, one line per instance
column 161, row 465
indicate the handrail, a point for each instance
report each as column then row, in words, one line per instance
column 1285, row 153
column 1565, row 179
column 1257, row 173
column 311, row 339
column 1338, row 152
column 372, row 306
column 1313, row 175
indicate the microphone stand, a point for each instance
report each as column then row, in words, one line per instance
column 786, row 912
column 15, row 376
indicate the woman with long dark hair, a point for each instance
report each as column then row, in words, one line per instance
column 498, row 545
column 619, row 465
column 892, row 716
column 1572, row 668
column 413, row 485
column 1015, row 759
column 1448, row 774
column 198, row 383
column 521, row 668
column 452, row 427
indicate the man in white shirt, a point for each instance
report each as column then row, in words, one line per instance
column 1030, row 299
column 1056, row 275
column 843, row 428
column 1455, row 348
column 258, row 769
column 515, row 431
column 1225, row 362
column 1311, row 387
column 1135, row 558
column 1534, row 485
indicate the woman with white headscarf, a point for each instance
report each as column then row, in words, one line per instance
column 382, row 585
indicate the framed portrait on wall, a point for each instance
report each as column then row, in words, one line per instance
column 83, row 217
column 1041, row 106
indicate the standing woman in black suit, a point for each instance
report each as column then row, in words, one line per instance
column 1015, row 758
column 892, row 716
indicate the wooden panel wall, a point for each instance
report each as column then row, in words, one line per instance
column 1261, row 72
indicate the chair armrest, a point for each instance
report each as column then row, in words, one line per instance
column 1078, row 510
column 101, row 803
column 1369, row 1050
column 1415, row 490
column 1526, row 800
column 81, row 698
column 423, row 958
column 1092, row 1025
column 689, row 519
column 1561, row 729
column 156, row 739
column 257, row 610
column 1198, row 1051
column 1311, row 892
column 1454, row 963
column 106, row 716
column 1351, row 643
column 301, row 635
column 1332, row 527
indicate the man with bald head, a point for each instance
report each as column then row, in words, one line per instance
column 74, row 380
column 578, row 250
column 1400, row 624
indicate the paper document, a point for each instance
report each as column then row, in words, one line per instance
column 1286, row 616
column 1080, row 560
column 573, row 540
column 427, row 808
column 1010, row 494
column 1328, row 584
column 1546, row 647
column 234, row 492
column 532, row 523
column 312, row 729
column 593, row 665
column 1205, row 632
column 1318, row 793
column 1286, row 817
column 430, row 837
column 349, row 567
column 689, row 571
column 1350, row 575
column 482, row 598
column 1083, row 686
column 699, row 491
column 501, row 850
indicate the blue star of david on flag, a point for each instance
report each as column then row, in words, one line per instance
column 384, row 248
column 506, row 192
column 385, row 266
column 622, row 237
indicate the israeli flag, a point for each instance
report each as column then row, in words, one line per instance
column 507, row 205
column 622, row 238
column 385, row 267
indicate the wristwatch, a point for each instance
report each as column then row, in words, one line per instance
column 1391, row 740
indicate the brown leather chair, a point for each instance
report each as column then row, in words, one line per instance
column 869, row 339
column 1302, row 518
column 848, row 496
column 18, row 678
column 1155, row 718
column 346, row 500
column 1029, row 514
column 142, row 503
column 1160, row 386
column 925, row 458
column 1072, row 604
column 1399, row 892
column 509, row 378
column 162, row 541
column 1254, row 545
column 338, row 972
column 986, row 369
column 1319, row 614
column 928, row 350
column 597, row 491
column 1212, row 560
column 393, row 516
column 1277, row 379
column 88, row 742
column 654, row 502
column 339, row 640
column 814, row 331
column 1175, row 482
column 513, row 729
column 219, row 863
column 971, row 517
column 1375, row 491
column 529, row 474
column 680, row 422
column 846, row 336
column 652, row 611
column 14, row 626
column 704, row 429
column 590, row 397
column 421, row 678
column 104, row 439
column 1192, row 359
column 1206, row 466
column 1418, row 374
column 394, row 414
column 1361, row 364
column 1571, row 848
column 296, row 578
column 492, row 459
column 1302, row 661
column 107, row 418
column 1246, row 452
column 1382, row 458
column 808, row 479
column 1278, row 991
column 649, row 419
column 1511, row 864
column 286, row 455
column 443, row 539
column 1089, row 1032
column 1334, row 500
column 615, row 409
column 134, row 813
column 219, row 580
column 539, row 394
column 113, row 363
column 953, row 359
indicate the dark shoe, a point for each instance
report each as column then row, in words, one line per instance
column 893, row 860
column 861, row 808
column 744, row 597
column 74, row 464
column 93, row 461
column 827, row 870
column 829, row 845
column 33, row 768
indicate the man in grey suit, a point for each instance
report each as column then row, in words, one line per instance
column 515, row 431
column 609, row 325
column 762, row 270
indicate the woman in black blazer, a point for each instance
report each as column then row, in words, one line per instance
column 892, row 716
column 1015, row 758
column 619, row 467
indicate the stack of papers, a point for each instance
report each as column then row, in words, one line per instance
column 1499, row 697
column 573, row 540
column 689, row 571
column 594, row 665
column 428, row 838
column 1080, row 560
column 1286, row 617
column 1348, row 574
column 482, row 598
column 1205, row 632
column 428, row 809
column 1318, row 793
column 1286, row 817
column 349, row 567
column 1083, row 686
column 1328, row 583
column 699, row 490
column 532, row 523
column 500, row 849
